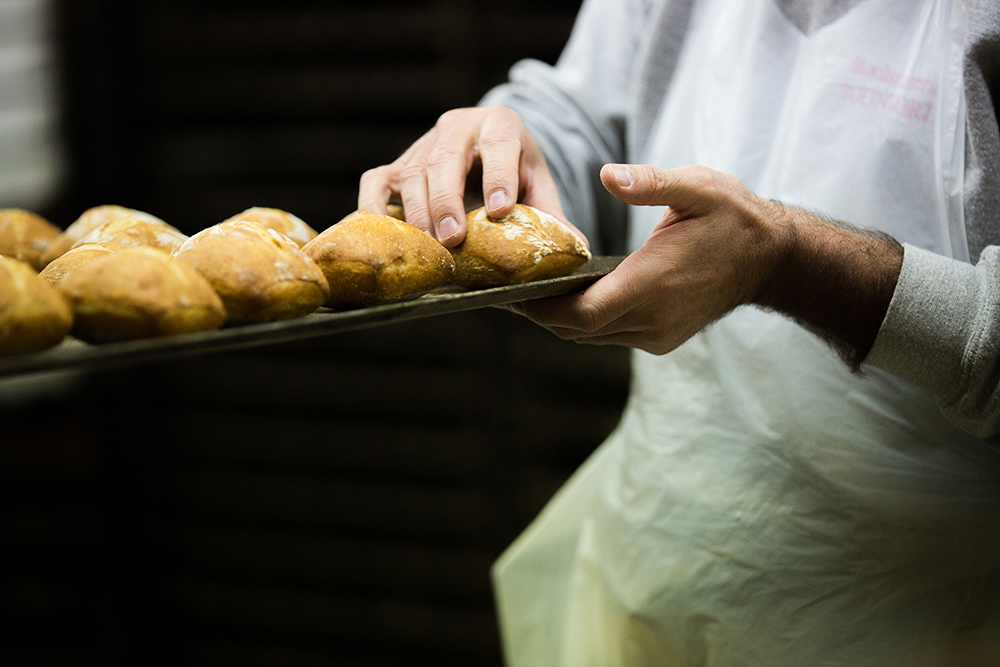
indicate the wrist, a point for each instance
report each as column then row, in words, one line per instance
column 781, row 247
column 833, row 278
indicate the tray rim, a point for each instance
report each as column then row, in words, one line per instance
column 73, row 354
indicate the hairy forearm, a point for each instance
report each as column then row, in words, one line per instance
column 833, row 278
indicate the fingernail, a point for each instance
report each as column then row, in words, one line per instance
column 623, row 175
column 498, row 199
column 447, row 227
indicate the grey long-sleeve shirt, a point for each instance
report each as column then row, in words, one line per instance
column 599, row 105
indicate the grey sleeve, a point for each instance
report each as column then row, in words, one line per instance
column 576, row 111
column 942, row 333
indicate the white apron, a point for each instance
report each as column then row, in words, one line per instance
column 759, row 504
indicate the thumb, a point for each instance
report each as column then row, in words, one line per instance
column 684, row 188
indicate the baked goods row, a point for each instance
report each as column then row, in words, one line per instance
column 120, row 274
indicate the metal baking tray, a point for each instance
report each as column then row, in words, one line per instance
column 73, row 354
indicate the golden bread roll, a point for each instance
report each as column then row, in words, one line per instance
column 135, row 232
column 369, row 258
column 526, row 245
column 396, row 211
column 25, row 235
column 90, row 220
column 280, row 221
column 392, row 210
column 261, row 274
column 62, row 266
column 33, row 316
column 139, row 293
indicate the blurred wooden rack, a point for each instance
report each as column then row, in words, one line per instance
column 73, row 354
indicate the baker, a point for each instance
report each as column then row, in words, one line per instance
column 805, row 472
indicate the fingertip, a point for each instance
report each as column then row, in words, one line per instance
column 617, row 176
column 421, row 222
column 499, row 204
column 608, row 178
column 426, row 230
column 450, row 231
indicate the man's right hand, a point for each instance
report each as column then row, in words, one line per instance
column 430, row 177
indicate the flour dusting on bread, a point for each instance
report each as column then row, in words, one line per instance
column 527, row 244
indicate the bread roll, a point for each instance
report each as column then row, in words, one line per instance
column 396, row 211
column 62, row 266
column 139, row 293
column 133, row 232
column 526, row 245
column 260, row 274
column 32, row 315
column 25, row 235
column 369, row 259
column 280, row 221
column 90, row 220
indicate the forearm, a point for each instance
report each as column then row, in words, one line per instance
column 833, row 278
column 927, row 319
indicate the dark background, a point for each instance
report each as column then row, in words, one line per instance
column 338, row 501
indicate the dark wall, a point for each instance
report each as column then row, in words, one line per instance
column 336, row 501
column 197, row 110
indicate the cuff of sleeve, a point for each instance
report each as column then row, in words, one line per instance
column 925, row 332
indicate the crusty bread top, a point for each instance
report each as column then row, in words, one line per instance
column 526, row 245
column 376, row 240
column 14, row 275
column 288, row 224
column 144, row 277
column 62, row 266
column 526, row 229
column 134, row 232
column 88, row 221
column 369, row 258
column 19, row 281
column 33, row 316
column 25, row 235
column 392, row 210
column 249, row 254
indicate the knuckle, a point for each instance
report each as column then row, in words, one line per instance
column 413, row 171
column 495, row 138
column 660, row 180
column 738, row 186
column 506, row 113
column 451, row 116
column 702, row 177
column 374, row 174
column 441, row 156
column 590, row 317
column 441, row 201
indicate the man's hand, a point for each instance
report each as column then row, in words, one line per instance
column 709, row 253
column 719, row 246
column 430, row 177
